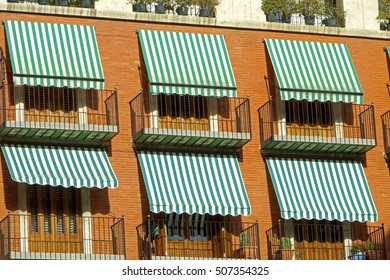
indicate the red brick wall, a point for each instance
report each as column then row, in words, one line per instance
column 120, row 54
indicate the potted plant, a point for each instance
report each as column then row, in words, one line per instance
column 357, row 253
column 182, row 7
column 279, row 10
column 207, row 7
column 246, row 250
column 334, row 16
column 309, row 9
column 286, row 248
column 371, row 251
column 384, row 13
column 140, row 5
column 161, row 6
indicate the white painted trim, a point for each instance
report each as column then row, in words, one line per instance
column 347, row 238
column 82, row 110
column 19, row 103
column 85, row 199
column 213, row 113
column 23, row 226
column 338, row 119
column 153, row 108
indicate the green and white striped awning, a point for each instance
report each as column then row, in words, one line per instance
column 194, row 183
column 322, row 189
column 59, row 166
column 314, row 71
column 59, row 55
column 187, row 63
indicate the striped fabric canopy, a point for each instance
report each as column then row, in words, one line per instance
column 194, row 183
column 187, row 63
column 59, row 166
column 314, row 71
column 59, row 55
column 322, row 189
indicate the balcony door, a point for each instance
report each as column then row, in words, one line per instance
column 312, row 119
column 182, row 112
column 55, row 224
column 319, row 240
column 43, row 104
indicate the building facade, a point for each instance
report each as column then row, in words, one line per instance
column 130, row 134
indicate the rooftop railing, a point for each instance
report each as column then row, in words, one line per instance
column 64, row 3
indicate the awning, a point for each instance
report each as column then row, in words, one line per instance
column 187, row 63
column 59, row 166
column 194, row 183
column 322, row 189
column 314, row 71
column 388, row 51
column 59, row 55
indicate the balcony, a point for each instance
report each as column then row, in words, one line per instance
column 42, row 237
column 57, row 115
column 219, row 240
column 332, row 129
column 386, row 133
column 326, row 241
column 190, row 122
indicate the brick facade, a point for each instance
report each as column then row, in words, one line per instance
column 120, row 53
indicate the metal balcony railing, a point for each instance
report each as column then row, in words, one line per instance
column 50, row 237
column 189, row 115
column 64, row 3
column 315, row 122
column 326, row 241
column 162, row 239
column 58, row 105
column 386, row 133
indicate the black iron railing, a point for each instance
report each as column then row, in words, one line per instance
column 386, row 132
column 79, row 109
column 64, row 3
column 194, row 8
column 343, row 123
column 62, row 237
column 163, row 239
column 326, row 241
column 190, row 113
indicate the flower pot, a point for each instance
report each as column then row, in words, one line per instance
column 373, row 255
column 310, row 20
column 159, row 9
column 330, row 22
column 247, row 252
column 183, row 11
column 274, row 17
column 139, row 7
column 86, row 3
column 204, row 13
column 357, row 257
column 63, row 3
column 286, row 18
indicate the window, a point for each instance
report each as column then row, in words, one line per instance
column 320, row 231
column 53, row 209
column 183, row 106
column 309, row 113
column 50, row 104
column 182, row 226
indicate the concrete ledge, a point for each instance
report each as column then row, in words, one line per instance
column 191, row 20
